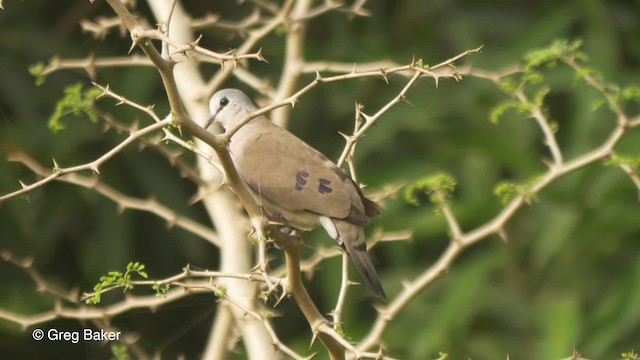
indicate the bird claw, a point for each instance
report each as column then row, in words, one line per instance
column 282, row 236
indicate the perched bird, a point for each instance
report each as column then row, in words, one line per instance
column 293, row 183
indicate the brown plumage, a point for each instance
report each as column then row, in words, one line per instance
column 294, row 183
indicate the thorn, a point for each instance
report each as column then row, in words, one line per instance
column 197, row 197
column 27, row 262
column 196, row 42
column 105, row 89
column 437, row 79
column 133, row 45
column 379, row 308
column 313, row 338
column 318, row 76
column 91, row 67
column 56, row 167
column 405, row 284
column 134, row 126
column 55, row 61
column 385, row 76
column 135, row 38
column 22, row 184
column 548, row 162
column 171, row 223
column 94, row 168
column 353, row 70
column 503, row 235
column 260, row 56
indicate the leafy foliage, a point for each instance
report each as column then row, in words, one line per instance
column 570, row 279
column 438, row 187
column 116, row 279
column 76, row 101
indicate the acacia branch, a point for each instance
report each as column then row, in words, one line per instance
column 461, row 240
column 93, row 165
column 165, row 68
column 124, row 202
column 306, row 305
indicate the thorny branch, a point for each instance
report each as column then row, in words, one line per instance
column 293, row 16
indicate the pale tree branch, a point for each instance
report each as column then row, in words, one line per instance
column 241, row 318
column 124, row 202
column 235, row 250
column 183, row 289
column 91, row 64
column 461, row 240
column 91, row 166
column 306, row 305
column 545, row 126
column 336, row 314
column 254, row 37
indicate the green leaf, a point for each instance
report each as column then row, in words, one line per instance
column 538, row 98
column 442, row 184
column 630, row 356
column 221, row 292
column 533, row 78
column 120, row 351
column 507, row 191
column 267, row 314
column 498, row 112
column 37, row 70
column 632, row 162
column 161, row 290
column 549, row 56
column 76, row 101
column 628, row 94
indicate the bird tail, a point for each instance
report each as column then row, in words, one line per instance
column 351, row 237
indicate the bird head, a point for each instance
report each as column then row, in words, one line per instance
column 228, row 107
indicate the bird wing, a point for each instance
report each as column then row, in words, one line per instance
column 291, row 174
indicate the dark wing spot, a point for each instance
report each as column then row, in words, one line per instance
column 301, row 180
column 323, row 187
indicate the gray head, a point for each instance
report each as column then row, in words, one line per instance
column 228, row 107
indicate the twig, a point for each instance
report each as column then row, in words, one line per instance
column 93, row 165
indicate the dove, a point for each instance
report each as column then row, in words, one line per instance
column 293, row 183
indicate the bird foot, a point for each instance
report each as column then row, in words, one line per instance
column 282, row 236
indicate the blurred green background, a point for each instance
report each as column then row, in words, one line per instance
column 569, row 278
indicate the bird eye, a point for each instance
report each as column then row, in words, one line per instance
column 224, row 101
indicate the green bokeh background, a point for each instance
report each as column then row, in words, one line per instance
column 569, row 277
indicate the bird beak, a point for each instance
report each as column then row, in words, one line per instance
column 210, row 121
